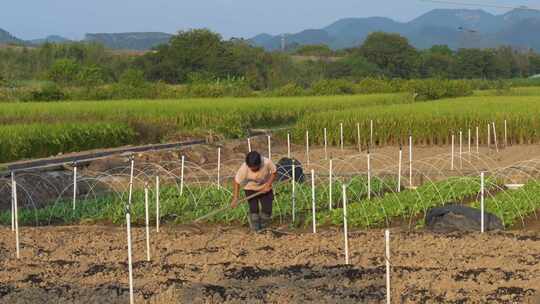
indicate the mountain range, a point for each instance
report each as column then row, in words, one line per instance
column 127, row 41
column 457, row 28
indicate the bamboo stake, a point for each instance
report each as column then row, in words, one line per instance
column 345, row 231
column 399, row 168
column 182, row 175
column 368, row 175
column 158, row 215
column 74, row 186
column 495, row 137
column 330, row 181
column 128, row 228
column 358, row 137
column 288, row 145
column 307, row 148
column 341, row 135
column 314, row 211
column 325, row 145
column 410, row 161
column 482, row 202
column 219, row 167
column 147, row 221
column 16, row 211
column 388, row 288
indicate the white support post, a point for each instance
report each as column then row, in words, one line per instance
column 128, row 228
column 288, row 145
column 452, row 155
column 293, row 191
column 307, row 148
column 358, row 137
column 269, row 147
column 369, row 175
column 13, row 195
column 505, row 134
column 410, row 161
column 158, row 215
column 330, row 181
column 399, row 169
column 219, row 167
column 482, row 193
column 345, row 231
column 488, row 136
column 182, row 175
column 495, row 137
column 147, row 221
column 460, row 150
column 469, row 142
column 371, row 133
column 314, row 211
column 477, row 140
column 341, row 135
column 74, row 185
column 387, row 258
column 249, row 144
column 16, row 212
column 325, row 145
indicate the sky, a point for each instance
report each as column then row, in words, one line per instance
column 31, row 19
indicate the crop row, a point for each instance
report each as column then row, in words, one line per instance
column 384, row 206
column 429, row 122
column 513, row 206
column 39, row 140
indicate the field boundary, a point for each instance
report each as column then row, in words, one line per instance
column 81, row 157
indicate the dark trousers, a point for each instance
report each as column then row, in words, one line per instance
column 265, row 200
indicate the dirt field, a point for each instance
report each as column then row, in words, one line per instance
column 87, row 264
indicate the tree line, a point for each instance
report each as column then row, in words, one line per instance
column 202, row 56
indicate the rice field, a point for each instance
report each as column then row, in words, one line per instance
column 394, row 117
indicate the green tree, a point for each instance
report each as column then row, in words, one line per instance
column 91, row 76
column 353, row 66
column 438, row 62
column 132, row 78
column 321, row 50
column 475, row 63
column 64, row 71
column 392, row 53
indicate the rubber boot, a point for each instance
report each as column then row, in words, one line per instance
column 266, row 220
column 254, row 222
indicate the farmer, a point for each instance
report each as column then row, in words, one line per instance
column 256, row 175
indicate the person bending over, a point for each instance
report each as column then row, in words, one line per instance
column 256, row 175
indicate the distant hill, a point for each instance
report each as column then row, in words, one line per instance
column 458, row 28
column 51, row 39
column 6, row 37
column 130, row 41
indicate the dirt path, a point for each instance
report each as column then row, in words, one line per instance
column 87, row 264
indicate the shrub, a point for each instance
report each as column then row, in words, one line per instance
column 49, row 92
column 332, row 87
column 290, row 89
column 431, row 89
column 374, row 85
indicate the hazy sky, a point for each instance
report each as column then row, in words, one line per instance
column 29, row 19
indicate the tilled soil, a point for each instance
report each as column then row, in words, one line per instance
column 87, row 264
